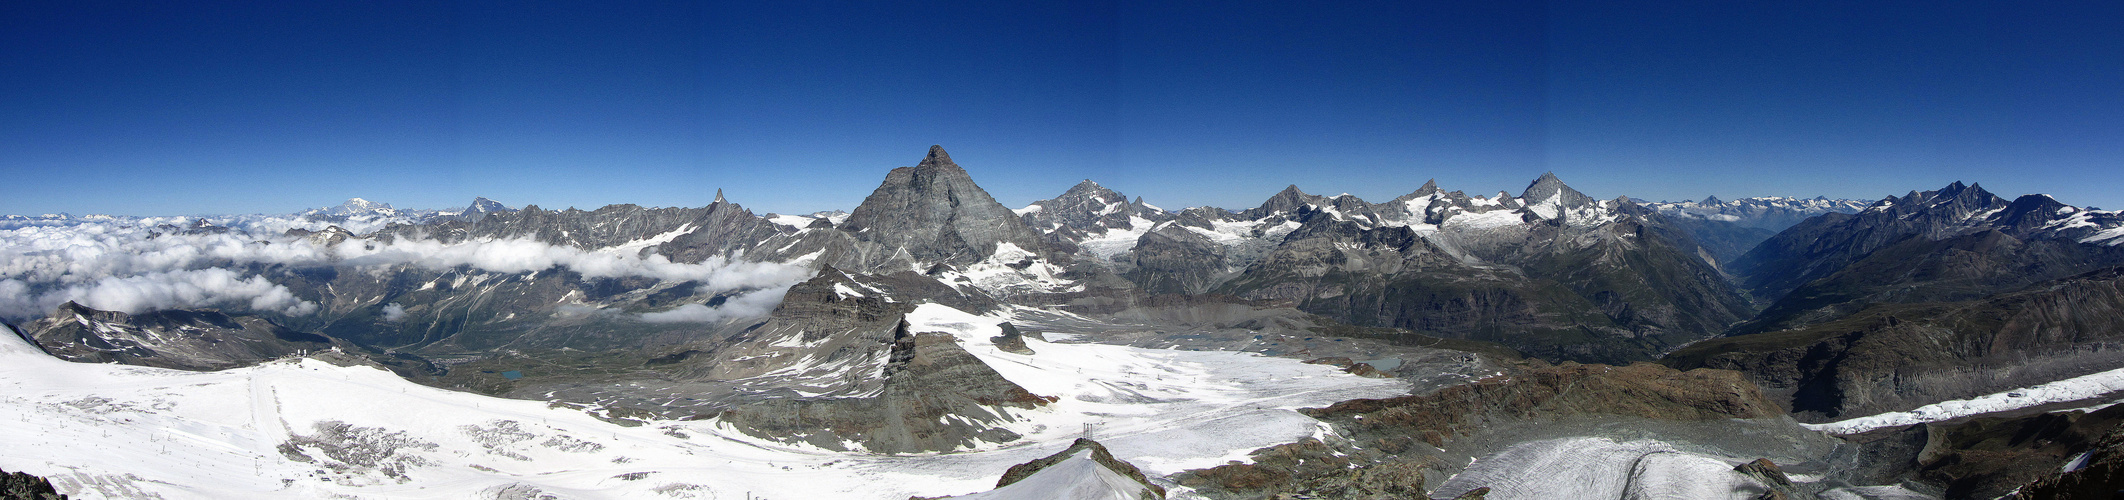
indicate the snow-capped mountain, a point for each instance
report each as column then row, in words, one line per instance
column 920, row 341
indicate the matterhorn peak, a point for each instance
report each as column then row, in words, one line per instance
column 937, row 157
column 1711, row 201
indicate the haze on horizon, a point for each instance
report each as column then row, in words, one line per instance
column 168, row 109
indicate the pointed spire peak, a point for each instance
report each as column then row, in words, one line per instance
column 937, row 156
column 719, row 197
column 1711, row 200
column 1430, row 188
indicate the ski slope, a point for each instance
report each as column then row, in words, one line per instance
column 303, row 428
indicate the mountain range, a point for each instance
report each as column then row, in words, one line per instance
column 1449, row 342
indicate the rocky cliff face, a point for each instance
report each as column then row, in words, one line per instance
column 1895, row 357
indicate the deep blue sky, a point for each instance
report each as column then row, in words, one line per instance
column 198, row 107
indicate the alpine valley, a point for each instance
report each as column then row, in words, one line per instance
column 932, row 342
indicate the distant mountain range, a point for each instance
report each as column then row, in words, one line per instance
column 869, row 330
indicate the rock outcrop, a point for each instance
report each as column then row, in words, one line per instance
column 934, row 397
column 23, row 486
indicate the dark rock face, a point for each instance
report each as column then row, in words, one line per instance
column 1918, row 269
column 1990, row 457
column 184, row 340
column 928, row 378
column 1098, row 454
column 2096, row 474
column 1895, row 357
column 1172, row 259
column 1821, row 246
column 22, row 486
column 1011, row 340
column 933, row 213
column 1640, row 390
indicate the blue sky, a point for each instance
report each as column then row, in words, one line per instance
column 156, row 108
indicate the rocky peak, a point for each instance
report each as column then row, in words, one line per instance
column 482, row 205
column 1092, row 190
column 2034, row 210
column 1430, row 187
column 1289, row 199
column 719, row 197
column 936, row 157
column 934, row 213
column 1548, row 188
column 1711, row 201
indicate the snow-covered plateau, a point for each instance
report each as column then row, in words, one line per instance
column 304, row 428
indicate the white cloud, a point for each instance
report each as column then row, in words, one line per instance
column 213, row 287
column 394, row 312
column 131, row 265
column 749, row 305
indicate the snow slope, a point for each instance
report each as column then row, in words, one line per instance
column 303, row 428
column 1076, row 478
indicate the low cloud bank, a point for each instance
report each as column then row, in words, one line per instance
column 132, row 266
column 213, row 287
column 748, row 305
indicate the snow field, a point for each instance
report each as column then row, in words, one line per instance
column 307, row 429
